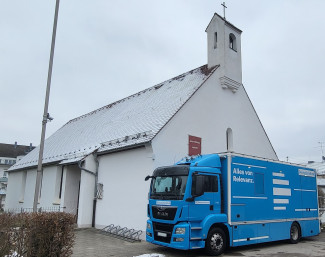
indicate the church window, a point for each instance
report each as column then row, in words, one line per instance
column 23, row 186
column 40, row 188
column 215, row 39
column 232, row 42
column 229, row 139
column 58, row 185
column 61, row 181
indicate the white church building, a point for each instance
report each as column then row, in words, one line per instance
column 95, row 165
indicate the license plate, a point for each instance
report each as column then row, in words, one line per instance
column 162, row 234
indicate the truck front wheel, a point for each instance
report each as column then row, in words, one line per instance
column 215, row 243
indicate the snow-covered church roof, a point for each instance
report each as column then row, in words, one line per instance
column 318, row 166
column 131, row 121
column 320, row 169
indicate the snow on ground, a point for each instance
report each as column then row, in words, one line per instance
column 151, row 255
column 14, row 254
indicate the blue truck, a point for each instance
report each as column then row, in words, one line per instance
column 219, row 200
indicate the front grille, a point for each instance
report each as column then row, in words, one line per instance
column 163, row 228
column 164, row 213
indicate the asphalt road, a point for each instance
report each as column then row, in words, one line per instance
column 90, row 242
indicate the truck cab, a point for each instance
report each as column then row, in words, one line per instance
column 185, row 202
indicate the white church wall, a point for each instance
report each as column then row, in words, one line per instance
column 86, row 194
column 249, row 134
column 29, row 189
column 208, row 114
column 21, row 188
column 215, row 42
column 48, row 188
column 233, row 68
column 70, row 188
column 65, row 188
column 125, row 191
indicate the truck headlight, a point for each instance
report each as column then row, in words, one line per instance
column 180, row 231
column 148, row 226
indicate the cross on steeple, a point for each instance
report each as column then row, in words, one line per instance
column 224, row 9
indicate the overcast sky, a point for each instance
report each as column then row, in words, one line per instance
column 107, row 50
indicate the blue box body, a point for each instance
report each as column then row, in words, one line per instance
column 257, row 201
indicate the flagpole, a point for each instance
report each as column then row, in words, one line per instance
column 46, row 115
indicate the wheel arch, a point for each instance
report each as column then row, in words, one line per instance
column 295, row 235
column 299, row 227
column 225, row 229
column 212, row 220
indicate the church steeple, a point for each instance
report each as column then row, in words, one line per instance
column 224, row 49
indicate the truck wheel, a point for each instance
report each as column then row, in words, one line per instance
column 215, row 243
column 294, row 233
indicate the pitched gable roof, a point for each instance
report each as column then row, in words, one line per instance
column 131, row 121
column 227, row 23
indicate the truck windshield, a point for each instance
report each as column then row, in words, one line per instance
column 168, row 187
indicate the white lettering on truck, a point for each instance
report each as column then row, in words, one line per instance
column 238, row 173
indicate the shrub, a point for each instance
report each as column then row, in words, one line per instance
column 37, row 234
column 5, row 242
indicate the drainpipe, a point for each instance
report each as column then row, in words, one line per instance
column 95, row 192
column 96, row 180
column 89, row 171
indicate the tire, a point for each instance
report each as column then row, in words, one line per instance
column 294, row 233
column 216, row 242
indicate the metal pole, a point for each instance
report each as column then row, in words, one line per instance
column 45, row 115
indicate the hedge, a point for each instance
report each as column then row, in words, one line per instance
column 37, row 234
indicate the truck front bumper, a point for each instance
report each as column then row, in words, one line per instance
column 178, row 237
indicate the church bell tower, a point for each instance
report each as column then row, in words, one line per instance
column 224, row 49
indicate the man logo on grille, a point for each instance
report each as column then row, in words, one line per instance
column 162, row 213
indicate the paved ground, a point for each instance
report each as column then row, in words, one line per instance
column 92, row 243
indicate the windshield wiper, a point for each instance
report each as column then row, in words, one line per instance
column 166, row 196
column 175, row 196
column 157, row 195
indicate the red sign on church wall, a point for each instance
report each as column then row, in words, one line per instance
column 194, row 145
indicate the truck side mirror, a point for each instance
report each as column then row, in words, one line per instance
column 148, row 177
column 198, row 185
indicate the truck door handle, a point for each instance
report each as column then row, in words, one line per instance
column 211, row 207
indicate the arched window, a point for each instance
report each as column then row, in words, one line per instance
column 232, row 42
column 215, row 39
column 229, row 138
